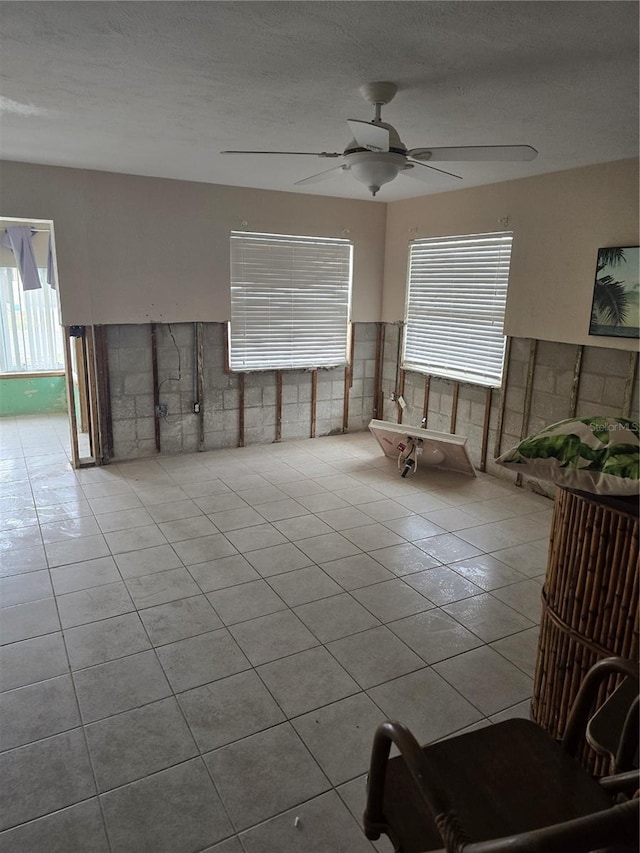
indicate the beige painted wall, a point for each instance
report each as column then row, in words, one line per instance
column 559, row 222
column 134, row 250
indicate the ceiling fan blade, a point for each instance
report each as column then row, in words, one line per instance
column 320, row 176
column 290, row 153
column 408, row 171
column 369, row 135
column 476, row 153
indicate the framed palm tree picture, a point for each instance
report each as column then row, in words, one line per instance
column 615, row 310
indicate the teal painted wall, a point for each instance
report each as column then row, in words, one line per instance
column 37, row 395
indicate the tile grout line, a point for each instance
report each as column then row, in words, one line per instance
column 286, row 608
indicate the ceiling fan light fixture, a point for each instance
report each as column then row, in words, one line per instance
column 373, row 169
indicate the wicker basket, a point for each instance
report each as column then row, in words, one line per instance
column 589, row 603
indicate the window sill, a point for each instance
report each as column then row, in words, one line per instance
column 31, row 374
column 305, row 369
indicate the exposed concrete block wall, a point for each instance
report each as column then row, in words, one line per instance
column 176, row 353
column 362, row 392
column 604, row 381
column 131, row 379
column 605, row 377
column 390, row 378
column 131, row 385
column 220, row 392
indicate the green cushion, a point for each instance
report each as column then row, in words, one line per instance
column 597, row 455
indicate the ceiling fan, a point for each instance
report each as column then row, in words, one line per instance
column 376, row 155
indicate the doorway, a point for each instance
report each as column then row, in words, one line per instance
column 88, row 392
column 44, row 379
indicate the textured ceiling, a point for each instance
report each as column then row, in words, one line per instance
column 159, row 88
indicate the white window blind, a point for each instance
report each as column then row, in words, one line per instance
column 290, row 301
column 30, row 331
column 455, row 307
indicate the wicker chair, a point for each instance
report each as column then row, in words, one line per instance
column 507, row 787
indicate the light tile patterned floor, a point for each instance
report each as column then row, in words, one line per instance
column 196, row 650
